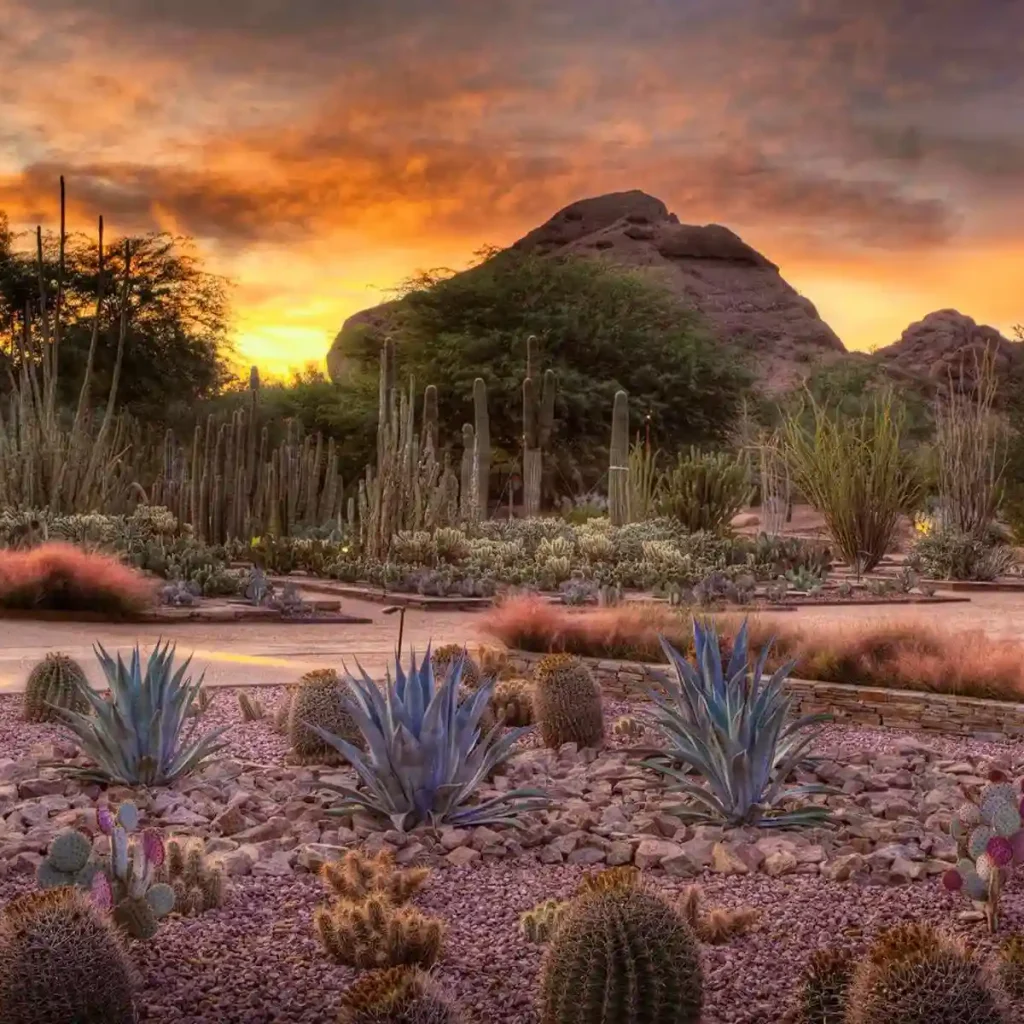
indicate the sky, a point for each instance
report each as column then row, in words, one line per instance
column 320, row 152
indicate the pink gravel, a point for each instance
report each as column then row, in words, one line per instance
column 256, row 961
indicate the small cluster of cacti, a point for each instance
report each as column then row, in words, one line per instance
column 55, row 685
column 128, row 876
column 620, row 954
column 567, row 702
column 199, row 884
column 442, row 659
column 250, row 706
column 203, row 702
column 539, row 924
column 369, row 924
column 61, row 961
column 628, row 728
column 320, row 698
column 512, row 700
column 397, row 995
column 990, row 842
column 911, row 974
column 719, row 924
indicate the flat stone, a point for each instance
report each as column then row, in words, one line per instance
column 40, row 787
column 843, row 868
column 463, row 855
column 619, row 853
column 725, row 861
column 274, row 828
column 312, row 856
column 651, row 852
column 230, row 821
column 278, row 864
column 181, row 815
column 453, row 838
column 781, row 862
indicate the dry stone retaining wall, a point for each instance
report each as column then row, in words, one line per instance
column 855, row 705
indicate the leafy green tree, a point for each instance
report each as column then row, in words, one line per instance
column 599, row 327
column 177, row 347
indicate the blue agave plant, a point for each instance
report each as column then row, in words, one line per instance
column 425, row 754
column 135, row 737
column 732, row 727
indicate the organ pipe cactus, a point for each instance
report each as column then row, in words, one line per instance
column 538, row 421
column 990, row 843
column 618, row 462
column 481, row 450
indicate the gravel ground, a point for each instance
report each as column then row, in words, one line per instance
column 256, row 960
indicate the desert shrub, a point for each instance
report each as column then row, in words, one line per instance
column 857, row 475
column 951, row 554
column 703, row 491
column 60, row 577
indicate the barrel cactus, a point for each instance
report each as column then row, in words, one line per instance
column 447, row 655
column 621, row 955
column 567, row 702
column 990, row 843
column 61, row 961
column 399, row 995
column 823, row 992
column 53, row 686
column 916, row 975
column 320, row 699
column 513, row 700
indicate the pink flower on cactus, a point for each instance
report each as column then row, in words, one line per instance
column 153, row 847
column 100, row 891
column 996, row 775
column 953, row 880
column 105, row 820
column 1000, row 850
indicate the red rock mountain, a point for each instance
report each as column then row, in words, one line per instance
column 740, row 293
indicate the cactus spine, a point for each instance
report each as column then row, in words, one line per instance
column 618, row 462
column 538, row 421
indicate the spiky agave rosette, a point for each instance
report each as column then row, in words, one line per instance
column 990, row 844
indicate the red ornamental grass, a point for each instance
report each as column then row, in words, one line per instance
column 61, row 577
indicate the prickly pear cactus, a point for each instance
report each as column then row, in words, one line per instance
column 990, row 843
column 68, row 862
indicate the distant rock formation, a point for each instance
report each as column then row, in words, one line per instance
column 739, row 292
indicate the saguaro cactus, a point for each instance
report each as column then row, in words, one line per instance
column 618, row 465
column 538, row 420
column 482, row 451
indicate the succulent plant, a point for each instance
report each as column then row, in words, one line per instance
column 199, row 884
column 628, row 728
column 567, row 702
column 990, row 843
column 55, row 685
column 449, row 654
column 68, row 861
column 916, row 975
column 250, row 706
column 804, row 580
column 425, row 754
column 135, row 736
column 822, row 998
column 719, row 924
column 539, row 924
column 61, row 961
column 733, row 728
column 283, row 712
column 319, row 701
column 513, row 702
column 398, row 995
column 357, row 876
column 621, row 955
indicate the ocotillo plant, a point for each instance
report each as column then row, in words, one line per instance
column 538, row 420
column 618, row 464
column 482, row 451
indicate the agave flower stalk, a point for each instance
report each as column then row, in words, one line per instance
column 733, row 727
column 138, row 737
column 425, row 754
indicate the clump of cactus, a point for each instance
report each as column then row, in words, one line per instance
column 449, row 654
column 203, row 702
column 283, row 712
column 567, row 702
column 539, row 924
column 628, row 728
column 990, row 843
column 54, row 686
column 915, row 975
column 398, row 995
column 250, row 706
column 199, row 885
column 822, row 998
column 621, row 955
column 128, row 877
column 320, row 701
column 513, row 701
column 357, row 876
column 62, row 961
column 717, row 925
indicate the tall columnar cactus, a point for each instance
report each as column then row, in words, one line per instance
column 467, row 472
column 916, row 975
column 430, row 429
column 618, row 462
column 990, row 844
column 54, row 686
column 481, row 451
column 567, row 702
column 538, row 421
column 61, row 961
column 621, row 955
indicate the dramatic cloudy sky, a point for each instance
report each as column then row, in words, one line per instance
column 320, row 151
